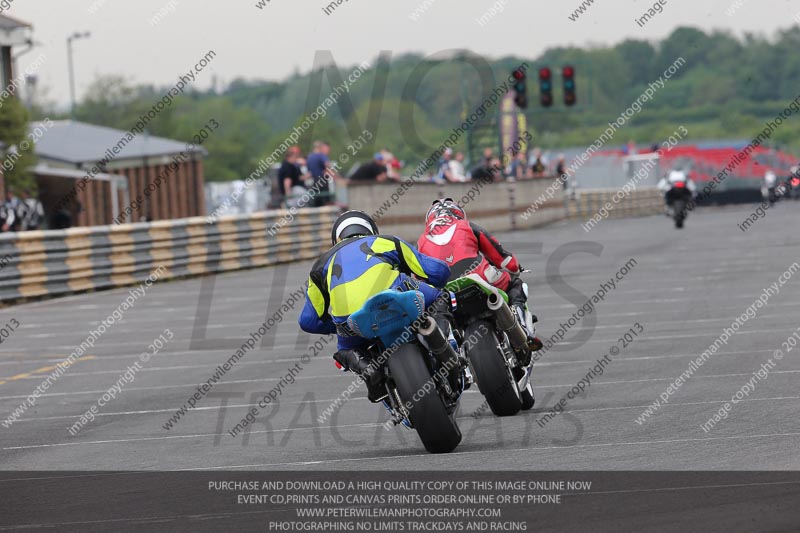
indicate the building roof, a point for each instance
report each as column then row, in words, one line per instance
column 14, row 32
column 10, row 23
column 44, row 170
column 75, row 142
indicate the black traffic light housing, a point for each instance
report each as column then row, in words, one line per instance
column 545, row 87
column 520, row 88
column 568, row 75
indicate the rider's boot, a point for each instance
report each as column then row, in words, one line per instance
column 527, row 321
column 518, row 296
column 354, row 361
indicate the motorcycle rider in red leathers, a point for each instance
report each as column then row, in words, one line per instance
column 450, row 237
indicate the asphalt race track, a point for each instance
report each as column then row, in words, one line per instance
column 684, row 289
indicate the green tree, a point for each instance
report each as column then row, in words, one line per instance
column 110, row 101
column 19, row 155
column 639, row 56
column 754, row 75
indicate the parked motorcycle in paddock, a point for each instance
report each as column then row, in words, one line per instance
column 422, row 372
column 495, row 344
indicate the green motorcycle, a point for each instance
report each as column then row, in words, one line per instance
column 494, row 343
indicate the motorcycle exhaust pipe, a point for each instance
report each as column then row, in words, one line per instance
column 507, row 321
column 439, row 344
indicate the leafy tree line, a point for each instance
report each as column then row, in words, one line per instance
column 727, row 88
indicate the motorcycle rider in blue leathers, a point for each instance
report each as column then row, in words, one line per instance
column 360, row 264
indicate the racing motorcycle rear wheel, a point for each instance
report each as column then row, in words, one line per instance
column 495, row 380
column 436, row 428
column 680, row 213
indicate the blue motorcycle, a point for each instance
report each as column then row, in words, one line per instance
column 422, row 372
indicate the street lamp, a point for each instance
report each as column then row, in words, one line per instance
column 74, row 37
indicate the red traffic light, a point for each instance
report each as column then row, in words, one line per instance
column 568, row 75
column 519, row 74
column 545, row 87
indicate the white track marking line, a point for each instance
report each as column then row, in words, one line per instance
column 307, row 402
column 694, row 335
column 483, row 452
column 666, row 337
column 328, row 377
column 538, row 364
column 281, row 347
column 172, row 437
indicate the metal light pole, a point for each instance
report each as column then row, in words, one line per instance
column 75, row 36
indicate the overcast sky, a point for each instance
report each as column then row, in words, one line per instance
column 272, row 42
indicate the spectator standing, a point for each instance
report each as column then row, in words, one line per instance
column 290, row 177
column 395, row 167
column 392, row 165
column 483, row 171
column 561, row 171
column 538, row 164
column 30, row 212
column 457, row 168
column 375, row 170
column 319, row 167
column 519, row 167
column 496, row 170
column 9, row 212
column 444, row 171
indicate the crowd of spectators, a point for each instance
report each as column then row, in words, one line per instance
column 383, row 167
column 315, row 178
column 521, row 166
column 299, row 174
column 21, row 214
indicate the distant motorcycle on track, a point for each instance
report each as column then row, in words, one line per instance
column 679, row 191
column 678, row 198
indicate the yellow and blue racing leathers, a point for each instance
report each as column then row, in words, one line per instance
column 348, row 274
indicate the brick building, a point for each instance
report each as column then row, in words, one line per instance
column 89, row 172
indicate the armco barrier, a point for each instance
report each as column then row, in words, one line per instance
column 50, row 263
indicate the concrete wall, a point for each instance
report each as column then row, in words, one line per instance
column 498, row 206
column 400, row 209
